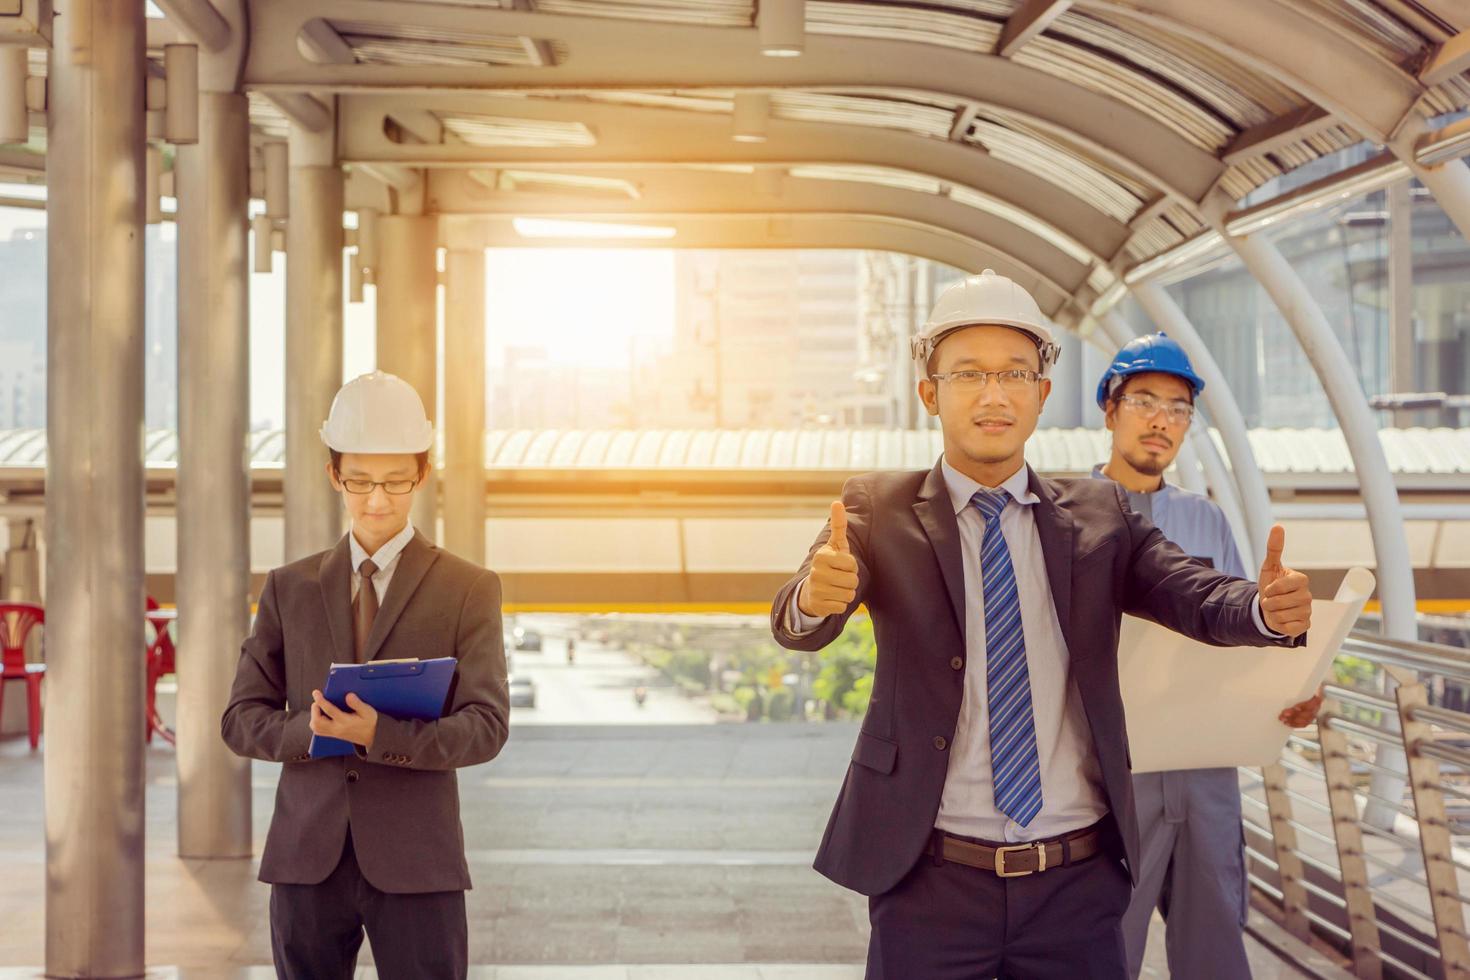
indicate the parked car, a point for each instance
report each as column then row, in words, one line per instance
column 522, row 692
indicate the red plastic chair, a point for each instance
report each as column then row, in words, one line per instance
column 160, row 658
column 17, row 619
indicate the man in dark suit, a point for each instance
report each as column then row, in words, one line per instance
column 370, row 841
column 988, row 810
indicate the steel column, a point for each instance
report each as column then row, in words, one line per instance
column 94, row 774
column 313, row 340
column 407, row 280
column 464, row 403
column 213, row 475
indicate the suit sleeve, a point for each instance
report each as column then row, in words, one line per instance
column 859, row 505
column 476, row 726
column 257, row 722
column 1165, row 585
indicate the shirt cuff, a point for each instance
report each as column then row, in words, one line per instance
column 1261, row 623
column 799, row 623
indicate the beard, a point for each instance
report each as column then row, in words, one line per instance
column 1146, row 463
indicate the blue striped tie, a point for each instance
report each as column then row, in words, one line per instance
column 1015, row 769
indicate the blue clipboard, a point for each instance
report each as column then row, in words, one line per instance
column 403, row 689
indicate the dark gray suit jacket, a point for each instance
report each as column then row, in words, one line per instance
column 401, row 796
column 1102, row 560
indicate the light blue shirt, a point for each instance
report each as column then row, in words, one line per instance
column 1197, row 525
column 1192, row 521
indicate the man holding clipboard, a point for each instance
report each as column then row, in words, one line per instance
column 370, row 840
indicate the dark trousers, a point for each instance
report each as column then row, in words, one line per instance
column 316, row 930
column 953, row 922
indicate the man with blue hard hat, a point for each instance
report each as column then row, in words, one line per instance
column 1192, row 860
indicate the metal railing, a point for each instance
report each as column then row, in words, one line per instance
column 1350, row 849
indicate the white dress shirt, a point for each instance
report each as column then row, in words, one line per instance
column 385, row 559
column 1072, row 794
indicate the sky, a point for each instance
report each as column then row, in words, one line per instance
column 582, row 305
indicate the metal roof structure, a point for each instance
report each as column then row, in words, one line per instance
column 1065, row 143
column 1296, row 452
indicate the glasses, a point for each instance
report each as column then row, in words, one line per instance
column 1147, row 406
column 396, row 487
column 1017, row 380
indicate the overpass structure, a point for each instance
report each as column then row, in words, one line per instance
column 1082, row 147
column 714, row 521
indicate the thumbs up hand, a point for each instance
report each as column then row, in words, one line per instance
column 832, row 583
column 1286, row 601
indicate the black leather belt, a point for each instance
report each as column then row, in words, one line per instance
column 1017, row 860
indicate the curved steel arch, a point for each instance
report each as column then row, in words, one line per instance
column 690, row 192
column 1368, row 92
column 610, row 53
column 790, row 231
column 639, row 136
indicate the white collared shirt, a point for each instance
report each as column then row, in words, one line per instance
column 1072, row 795
column 385, row 558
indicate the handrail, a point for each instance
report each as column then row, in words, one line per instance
column 1407, row 916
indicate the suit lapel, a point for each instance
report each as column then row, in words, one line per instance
column 336, row 582
column 1055, row 528
column 936, row 514
column 413, row 563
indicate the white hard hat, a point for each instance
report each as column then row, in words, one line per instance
column 985, row 299
column 377, row 413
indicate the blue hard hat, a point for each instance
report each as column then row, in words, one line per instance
column 1149, row 353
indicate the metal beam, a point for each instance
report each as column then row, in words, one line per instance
column 304, row 110
column 1029, row 20
column 636, row 54
column 1271, row 135
column 200, row 20
column 694, row 192
column 1448, row 60
column 1295, row 48
column 794, row 231
column 632, row 135
column 324, row 44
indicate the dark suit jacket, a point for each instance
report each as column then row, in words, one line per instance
column 401, row 796
column 1102, row 560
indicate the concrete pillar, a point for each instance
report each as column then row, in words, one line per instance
column 314, row 516
column 213, row 590
column 94, row 493
column 407, row 280
column 1219, row 400
column 464, row 401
